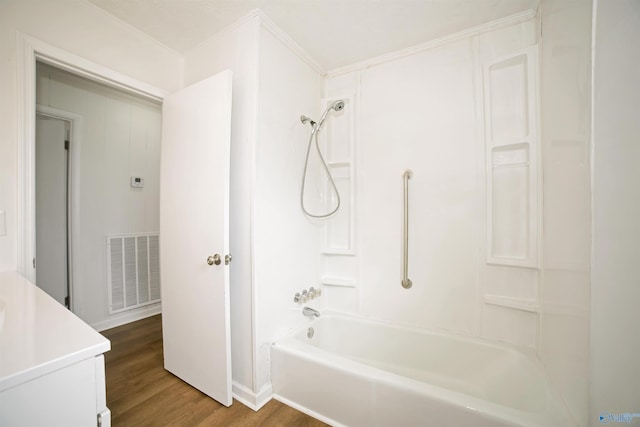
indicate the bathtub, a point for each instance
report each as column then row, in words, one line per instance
column 355, row 372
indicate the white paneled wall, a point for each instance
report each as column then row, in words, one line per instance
column 120, row 138
column 462, row 115
column 565, row 83
column 275, row 247
column 614, row 366
column 286, row 243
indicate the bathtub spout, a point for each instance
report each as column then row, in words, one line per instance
column 310, row 312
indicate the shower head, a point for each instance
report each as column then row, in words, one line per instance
column 338, row 105
column 335, row 105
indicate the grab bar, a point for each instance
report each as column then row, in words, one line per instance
column 406, row 282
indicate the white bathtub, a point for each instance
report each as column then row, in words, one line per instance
column 355, row 372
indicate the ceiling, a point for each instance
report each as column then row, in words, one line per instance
column 335, row 33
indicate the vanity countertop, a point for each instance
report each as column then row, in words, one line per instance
column 38, row 335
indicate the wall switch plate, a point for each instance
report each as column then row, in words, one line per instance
column 137, row 182
column 3, row 223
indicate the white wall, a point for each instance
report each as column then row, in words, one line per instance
column 615, row 289
column 286, row 243
column 120, row 138
column 425, row 112
column 237, row 50
column 566, row 129
column 274, row 247
column 81, row 29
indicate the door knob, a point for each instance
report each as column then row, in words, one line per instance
column 214, row 260
column 227, row 259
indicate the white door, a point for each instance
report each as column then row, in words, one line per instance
column 51, row 207
column 194, row 225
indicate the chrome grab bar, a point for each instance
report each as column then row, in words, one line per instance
column 406, row 282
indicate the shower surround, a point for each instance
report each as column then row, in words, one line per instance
column 479, row 121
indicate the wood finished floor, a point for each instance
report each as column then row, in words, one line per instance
column 140, row 392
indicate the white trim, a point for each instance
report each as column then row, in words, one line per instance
column 253, row 179
column 73, row 207
column 220, row 34
column 432, row 44
column 250, row 399
column 30, row 50
column 78, row 65
column 592, row 170
column 481, row 267
column 25, row 218
column 127, row 317
column 275, row 30
column 359, row 211
column 289, row 43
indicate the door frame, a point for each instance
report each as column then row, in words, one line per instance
column 73, row 187
column 31, row 50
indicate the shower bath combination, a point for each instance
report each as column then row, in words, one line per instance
column 315, row 130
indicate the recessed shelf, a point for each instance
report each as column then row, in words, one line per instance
column 341, row 164
column 529, row 305
column 338, row 281
column 511, row 165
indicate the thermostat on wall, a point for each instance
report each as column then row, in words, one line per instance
column 137, row 182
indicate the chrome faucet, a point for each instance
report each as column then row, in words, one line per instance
column 310, row 312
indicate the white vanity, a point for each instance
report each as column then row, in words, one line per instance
column 51, row 362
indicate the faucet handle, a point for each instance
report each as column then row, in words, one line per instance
column 312, row 292
column 296, row 297
column 304, row 296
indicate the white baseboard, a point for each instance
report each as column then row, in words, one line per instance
column 248, row 398
column 127, row 317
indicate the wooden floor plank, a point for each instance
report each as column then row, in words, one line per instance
column 140, row 392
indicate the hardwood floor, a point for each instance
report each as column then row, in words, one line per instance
column 140, row 392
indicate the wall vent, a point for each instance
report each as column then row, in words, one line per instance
column 133, row 271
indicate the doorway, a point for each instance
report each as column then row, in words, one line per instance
column 52, row 207
column 113, row 166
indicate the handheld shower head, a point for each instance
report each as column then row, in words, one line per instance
column 338, row 105
column 335, row 106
